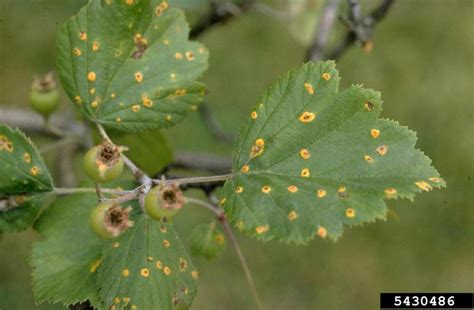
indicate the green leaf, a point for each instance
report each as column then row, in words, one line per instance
column 147, row 267
column 207, row 241
column 128, row 64
column 16, row 215
column 65, row 263
column 22, row 168
column 310, row 159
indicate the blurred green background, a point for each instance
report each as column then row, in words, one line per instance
column 423, row 65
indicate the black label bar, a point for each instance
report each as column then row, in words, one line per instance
column 427, row 300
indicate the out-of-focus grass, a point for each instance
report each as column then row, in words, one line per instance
column 423, row 65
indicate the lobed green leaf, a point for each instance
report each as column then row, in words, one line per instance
column 310, row 160
column 128, row 64
column 207, row 241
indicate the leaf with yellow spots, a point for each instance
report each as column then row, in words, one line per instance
column 22, row 168
column 65, row 263
column 207, row 241
column 326, row 156
column 117, row 62
column 150, row 267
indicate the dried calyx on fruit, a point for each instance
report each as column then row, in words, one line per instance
column 110, row 220
column 163, row 202
column 44, row 95
column 103, row 163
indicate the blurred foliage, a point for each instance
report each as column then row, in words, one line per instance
column 423, row 65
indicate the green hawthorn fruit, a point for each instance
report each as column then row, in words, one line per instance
column 103, row 163
column 44, row 96
column 164, row 202
column 109, row 220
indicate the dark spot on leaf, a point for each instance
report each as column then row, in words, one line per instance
column 141, row 48
column 343, row 194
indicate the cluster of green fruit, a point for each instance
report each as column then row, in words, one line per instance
column 103, row 163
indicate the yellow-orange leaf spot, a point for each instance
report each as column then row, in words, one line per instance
column 435, row 179
column 166, row 42
column 266, row 189
column 222, row 201
column 178, row 56
column 292, row 216
column 82, row 36
column 115, row 245
column 309, row 88
column 147, row 102
column 390, row 191
column 149, row 258
column 27, row 158
column 117, row 300
column 138, row 77
column 341, row 189
column 167, row 270
column 253, row 115
column 159, row 264
column 219, row 239
column 166, row 243
column 194, row 274
column 126, row 300
column 91, row 76
column 5, row 144
column 382, row 150
column 375, row 133
column 368, row 158
column 163, row 229
column 168, row 118
column 77, row 51
column 129, row 2
column 424, row 185
column 258, row 148
column 34, row 170
column 239, row 189
column 190, row 55
column 326, row 76
column 322, row 232
column 113, row 95
column 202, row 50
column 95, row 104
column 304, row 153
column 95, row 46
column 145, row 272
column 350, row 212
column 125, row 272
column 369, row 106
column 92, row 91
column 292, row 189
column 305, row 173
column 118, row 119
column 78, row 99
column 135, row 108
column 95, row 265
column 245, row 168
column 262, row 229
column 321, row 193
column 133, row 307
column 173, row 76
column 183, row 264
column 307, row 117
column 161, row 8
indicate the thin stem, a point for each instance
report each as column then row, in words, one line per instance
column 219, row 213
column 86, row 190
column 204, row 179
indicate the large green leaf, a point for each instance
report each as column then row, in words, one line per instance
column 65, row 263
column 310, row 159
column 128, row 64
column 22, row 168
column 147, row 268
